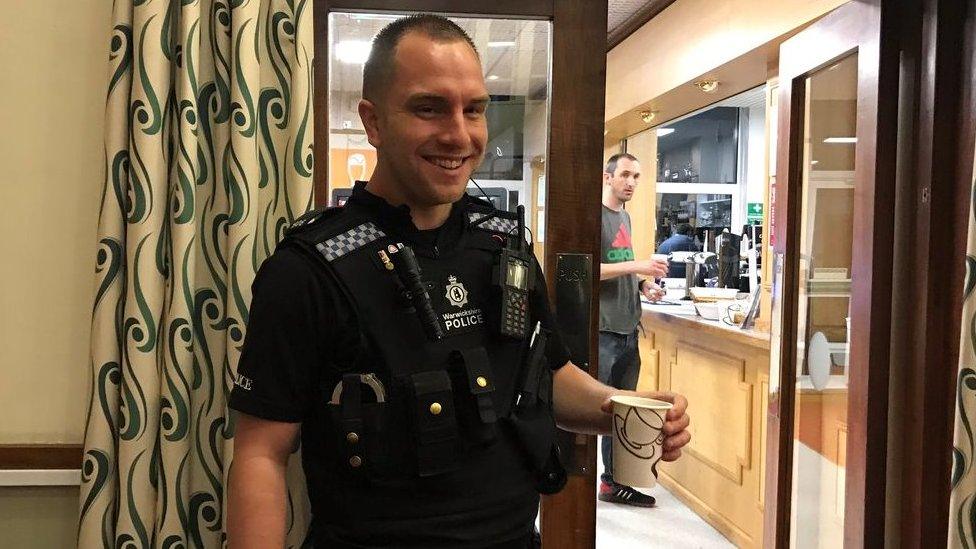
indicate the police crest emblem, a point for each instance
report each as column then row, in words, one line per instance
column 456, row 293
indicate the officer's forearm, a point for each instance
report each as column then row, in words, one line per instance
column 256, row 506
column 577, row 401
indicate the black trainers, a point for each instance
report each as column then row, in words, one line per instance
column 618, row 493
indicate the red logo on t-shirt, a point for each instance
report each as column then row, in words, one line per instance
column 622, row 240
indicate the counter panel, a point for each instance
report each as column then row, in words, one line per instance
column 724, row 373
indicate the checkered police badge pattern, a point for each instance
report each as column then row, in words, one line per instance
column 349, row 241
column 497, row 224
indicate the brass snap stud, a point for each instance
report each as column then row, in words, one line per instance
column 352, row 438
column 355, row 461
column 435, row 408
column 482, row 382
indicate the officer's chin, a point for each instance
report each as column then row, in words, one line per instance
column 449, row 192
column 439, row 194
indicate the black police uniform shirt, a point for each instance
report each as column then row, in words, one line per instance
column 300, row 324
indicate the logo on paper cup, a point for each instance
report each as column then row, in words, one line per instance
column 640, row 432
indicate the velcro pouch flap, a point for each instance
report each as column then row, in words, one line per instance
column 351, row 417
column 477, row 369
column 435, row 425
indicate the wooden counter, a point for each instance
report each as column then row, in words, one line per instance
column 666, row 315
column 724, row 373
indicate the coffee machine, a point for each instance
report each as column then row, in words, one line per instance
column 727, row 246
column 700, row 268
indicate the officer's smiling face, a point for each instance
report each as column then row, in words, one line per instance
column 430, row 128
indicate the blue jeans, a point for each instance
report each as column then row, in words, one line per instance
column 619, row 367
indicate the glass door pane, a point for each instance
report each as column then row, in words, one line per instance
column 515, row 57
column 823, row 340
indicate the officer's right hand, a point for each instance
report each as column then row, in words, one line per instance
column 651, row 268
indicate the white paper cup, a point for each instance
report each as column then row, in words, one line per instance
column 637, row 439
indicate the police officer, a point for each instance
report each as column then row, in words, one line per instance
column 406, row 338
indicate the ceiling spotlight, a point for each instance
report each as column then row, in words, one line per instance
column 501, row 44
column 492, row 77
column 707, row 86
column 647, row 116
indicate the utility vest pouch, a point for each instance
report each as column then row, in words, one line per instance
column 477, row 415
column 434, row 422
column 359, row 429
column 534, row 423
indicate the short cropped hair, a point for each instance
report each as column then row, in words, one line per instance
column 683, row 228
column 612, row 162
column 379, row 67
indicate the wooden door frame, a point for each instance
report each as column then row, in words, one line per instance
column 863, row 27
column 941, row 46
column 577, row 100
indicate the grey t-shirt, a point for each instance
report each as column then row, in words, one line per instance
column 620, row 309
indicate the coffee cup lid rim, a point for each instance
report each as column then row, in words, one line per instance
column 642, row 402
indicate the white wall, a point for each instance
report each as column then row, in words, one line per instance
column 42, row 517
column 756, row 156
column 54, row 57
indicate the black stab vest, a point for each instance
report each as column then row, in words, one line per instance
column 398, row 471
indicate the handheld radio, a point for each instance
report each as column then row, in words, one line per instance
column 514, row 277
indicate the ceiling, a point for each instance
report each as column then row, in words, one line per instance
column 624, row 17
column 619, row 11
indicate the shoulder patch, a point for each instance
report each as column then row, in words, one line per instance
column 310, row 218
column 493, row 223
column 349, row 241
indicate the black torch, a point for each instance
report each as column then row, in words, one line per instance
column 408, row 270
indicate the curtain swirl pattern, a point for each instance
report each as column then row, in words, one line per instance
column 208, row 157
column 962, row 504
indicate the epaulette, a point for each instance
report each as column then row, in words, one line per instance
column 311, row 218
column 479, row 203
column 483, row 215
column 332, row 232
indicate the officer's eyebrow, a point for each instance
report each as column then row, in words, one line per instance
column 441, row 100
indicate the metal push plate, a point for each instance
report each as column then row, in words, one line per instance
column 574, row 294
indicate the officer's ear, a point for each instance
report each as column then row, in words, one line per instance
column 369, row 114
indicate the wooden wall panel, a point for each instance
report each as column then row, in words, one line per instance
column 40, row 456
column 726, row 380
column 722, row 430
column 761, row 419
column 651, row 359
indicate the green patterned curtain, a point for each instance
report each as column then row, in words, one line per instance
column 962, row 506
column 208, row 156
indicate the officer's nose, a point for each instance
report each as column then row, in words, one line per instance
column 454, row 133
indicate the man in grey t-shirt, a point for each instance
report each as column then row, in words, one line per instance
column 621, row 281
